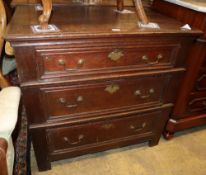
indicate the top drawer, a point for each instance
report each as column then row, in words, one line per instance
column 62, row 62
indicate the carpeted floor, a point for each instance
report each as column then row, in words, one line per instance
column 22, row 147
column 184, row 155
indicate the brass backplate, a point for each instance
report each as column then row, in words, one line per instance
column 112, row 88
column 115, row 55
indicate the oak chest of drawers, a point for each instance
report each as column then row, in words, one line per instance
column 100, row 81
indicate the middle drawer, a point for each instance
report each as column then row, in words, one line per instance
column 108, row 95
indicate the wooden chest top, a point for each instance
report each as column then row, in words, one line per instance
column 90, row 21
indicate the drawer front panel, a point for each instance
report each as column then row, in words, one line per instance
column 104, row 96
column 97, row 132
column 69, row 62
column 197, row 103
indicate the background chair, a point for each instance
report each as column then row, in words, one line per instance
column 9, row 102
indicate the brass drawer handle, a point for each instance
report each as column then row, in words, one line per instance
column 64, row 102
column 136, row 129
column 146, row 59
column 139, row 93
column 115, row 55
column 112, row 88
column 62, row 62
column 80, row 138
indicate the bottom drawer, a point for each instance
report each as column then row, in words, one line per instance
column 84, row 136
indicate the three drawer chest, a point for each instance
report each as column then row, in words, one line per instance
column 98, row 81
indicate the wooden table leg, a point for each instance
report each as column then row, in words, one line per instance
column 140, row 11
column 44, row 18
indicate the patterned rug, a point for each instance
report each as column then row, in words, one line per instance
column 22, row 148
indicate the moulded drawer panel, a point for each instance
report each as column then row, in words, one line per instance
column 63, row 138
column 71, row 62
column 64, row 101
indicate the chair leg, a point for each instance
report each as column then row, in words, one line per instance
column 120, row 5
column 44, row 18
column 140, row 11
column 3, row 162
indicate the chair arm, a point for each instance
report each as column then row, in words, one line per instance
column 9, row 103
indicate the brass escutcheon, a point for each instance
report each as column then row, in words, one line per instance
column 112, row 88
column 115, row 55
column 107, row 126
column 61, row 62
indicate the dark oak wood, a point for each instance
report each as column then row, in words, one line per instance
column 41, row 149
column 107, row 95
column 89, row 87
column 78, row 139
column 67, row 61
column 190, row 107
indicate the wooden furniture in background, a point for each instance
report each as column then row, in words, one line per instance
column 100, row 81
column 190, row 107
